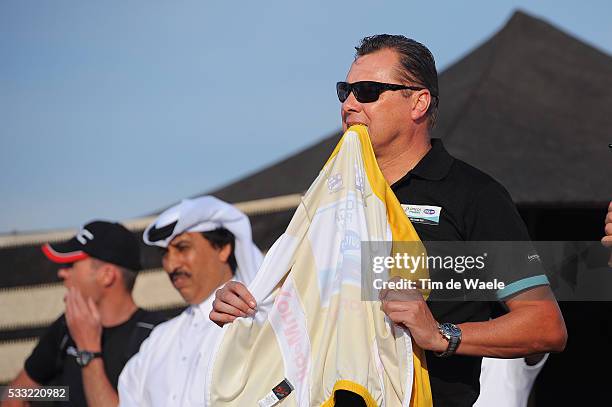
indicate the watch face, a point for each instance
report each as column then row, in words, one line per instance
column 451, row 329
column 83, row 358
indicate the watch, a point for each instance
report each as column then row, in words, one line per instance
column 452, row 333
column 83, row 357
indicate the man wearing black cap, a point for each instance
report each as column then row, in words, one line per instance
column 87, row 347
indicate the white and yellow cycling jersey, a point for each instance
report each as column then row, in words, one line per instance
column 313, row 332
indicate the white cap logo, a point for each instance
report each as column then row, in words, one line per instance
column 84, row 235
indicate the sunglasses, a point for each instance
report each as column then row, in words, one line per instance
column 367, row 91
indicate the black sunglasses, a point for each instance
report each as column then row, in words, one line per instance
column 367, row 91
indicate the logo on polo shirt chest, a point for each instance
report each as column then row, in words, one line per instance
column 425, row 214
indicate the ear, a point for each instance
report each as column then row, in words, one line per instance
column 422, row 100
column 225, row 252
column 107, row 274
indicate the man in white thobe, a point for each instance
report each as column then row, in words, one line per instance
column 206, row 242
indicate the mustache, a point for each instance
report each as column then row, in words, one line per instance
column 178, row 273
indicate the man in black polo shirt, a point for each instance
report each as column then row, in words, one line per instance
column 392, row 88
column 87, row 347
column 466, row 205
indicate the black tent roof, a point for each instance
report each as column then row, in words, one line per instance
column 531, row 106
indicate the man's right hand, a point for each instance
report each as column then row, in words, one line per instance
column 232, row 300
column 607, row 239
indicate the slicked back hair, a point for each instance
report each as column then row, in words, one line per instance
column 418, row 66
column 220, row 237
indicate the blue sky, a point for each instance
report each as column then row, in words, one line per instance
column 114, row 109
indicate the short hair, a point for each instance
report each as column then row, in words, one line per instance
column 219, row 238
column 417, row 64
column 127, row 276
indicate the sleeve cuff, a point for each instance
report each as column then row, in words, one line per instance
column 521, row 285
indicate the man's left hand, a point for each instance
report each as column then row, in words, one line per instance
column 407, row 307
column 83, row 321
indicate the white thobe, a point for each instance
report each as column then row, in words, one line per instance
column 170, row 368
column 507, row 382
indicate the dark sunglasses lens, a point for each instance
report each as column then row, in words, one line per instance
column 343, row 89
column 367, row 92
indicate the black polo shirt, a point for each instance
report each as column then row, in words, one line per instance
column 467, row 205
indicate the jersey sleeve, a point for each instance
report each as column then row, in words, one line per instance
column 42, row 364
column 492, row 219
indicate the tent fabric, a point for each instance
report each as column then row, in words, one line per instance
column 531, row 107
column 312, row 327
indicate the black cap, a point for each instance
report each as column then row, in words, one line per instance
column 107, row 241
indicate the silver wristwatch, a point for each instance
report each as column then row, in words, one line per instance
column 452, row 333
column 83, row 357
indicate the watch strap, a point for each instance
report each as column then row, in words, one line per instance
column 453, row 342
column 84, row 357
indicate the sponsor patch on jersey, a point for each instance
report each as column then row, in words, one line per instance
column 425, row 214
column 279, row 392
